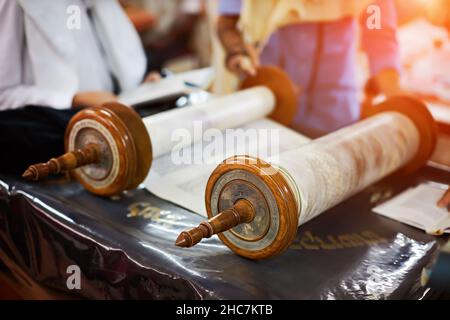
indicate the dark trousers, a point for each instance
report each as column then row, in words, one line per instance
column 30, row 135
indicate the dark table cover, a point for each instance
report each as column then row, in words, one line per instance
column 124, row 247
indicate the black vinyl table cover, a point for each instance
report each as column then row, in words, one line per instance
column 124, row 247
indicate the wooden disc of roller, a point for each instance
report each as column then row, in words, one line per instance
column 125, row 148
column 281, row 86
column 266, row 189
column 418, row 113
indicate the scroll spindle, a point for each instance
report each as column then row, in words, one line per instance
column 241, row 212
column 69, row 161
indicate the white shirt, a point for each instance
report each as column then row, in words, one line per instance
column 17, row 85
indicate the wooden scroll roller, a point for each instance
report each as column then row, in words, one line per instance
column 109, row 149
column 399, row 135
column 88, row 155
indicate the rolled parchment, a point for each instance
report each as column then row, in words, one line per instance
column 302, row 183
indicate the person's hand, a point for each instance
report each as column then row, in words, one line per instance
column 241, row 58
column 92, row 98
column 245, row 64
column 153, row 76
column 444, row 202
column 388, row 83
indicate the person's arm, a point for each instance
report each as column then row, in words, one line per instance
column 382, row 49
column 14, row 93
column 444, row 202
column 239, row 57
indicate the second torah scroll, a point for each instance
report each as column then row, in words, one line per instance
column 256, row 205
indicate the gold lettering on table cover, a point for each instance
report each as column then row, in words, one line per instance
column 304, row 241
column 146, row 211
column 308, row 241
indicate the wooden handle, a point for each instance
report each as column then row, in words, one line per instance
column 68, row 161
column 241, row 212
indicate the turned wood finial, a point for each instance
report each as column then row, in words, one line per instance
column 69, row 161
column 241, row 212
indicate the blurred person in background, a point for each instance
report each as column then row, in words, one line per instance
column 438, row 13
column 314, row 42
column 180, row 31
column 55, row 57
column 64, row 54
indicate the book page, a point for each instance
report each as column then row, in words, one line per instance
column 417, row 207
column 183, row 82
column 184, row 182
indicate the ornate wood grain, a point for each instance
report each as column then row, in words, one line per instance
column 285, row 199
column 141, row 140
column 129, row 137
column 122, row 130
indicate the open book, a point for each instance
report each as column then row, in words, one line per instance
column 417, row 207
column 183, row 82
